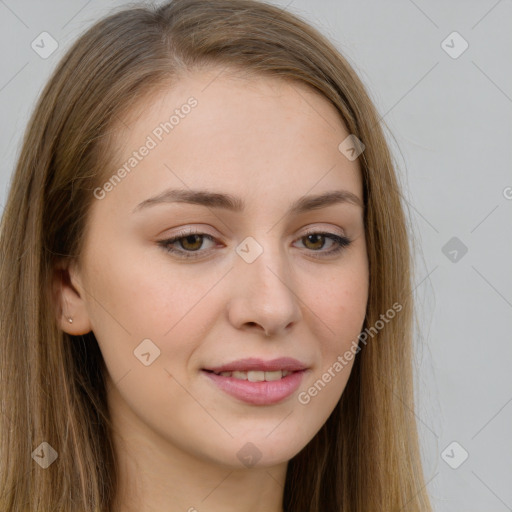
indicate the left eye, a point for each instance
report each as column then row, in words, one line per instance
column 339, row 242
column 191, row 243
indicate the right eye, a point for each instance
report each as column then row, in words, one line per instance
column 190, row 242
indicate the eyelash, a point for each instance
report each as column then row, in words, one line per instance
column 342, row 242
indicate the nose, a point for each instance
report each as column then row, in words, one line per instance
column 263, row 297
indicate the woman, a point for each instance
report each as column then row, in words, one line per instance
column 206, row 278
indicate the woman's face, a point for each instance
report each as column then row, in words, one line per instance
column 262, row 153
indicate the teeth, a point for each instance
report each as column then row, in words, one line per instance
column 277, row 375
column 257, row 376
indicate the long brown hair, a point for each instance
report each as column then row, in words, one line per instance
column 366, row 457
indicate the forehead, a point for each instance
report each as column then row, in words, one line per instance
column 244, row 132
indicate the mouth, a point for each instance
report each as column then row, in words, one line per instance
column 258, row 382
column 285, row 365
column 254, row 375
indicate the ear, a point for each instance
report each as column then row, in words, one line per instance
column 69, row 299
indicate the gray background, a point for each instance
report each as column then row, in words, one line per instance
column 450, row 129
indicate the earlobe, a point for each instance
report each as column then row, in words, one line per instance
column 70, row 306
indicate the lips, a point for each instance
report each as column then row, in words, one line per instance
column 256, row 381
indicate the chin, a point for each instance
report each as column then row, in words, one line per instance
column 259, row 452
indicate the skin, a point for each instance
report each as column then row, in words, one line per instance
column 177, row 435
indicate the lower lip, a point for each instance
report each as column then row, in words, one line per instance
column 258, row 393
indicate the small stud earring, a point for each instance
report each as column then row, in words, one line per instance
column 70, row 320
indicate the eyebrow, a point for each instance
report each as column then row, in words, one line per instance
column 235, row 204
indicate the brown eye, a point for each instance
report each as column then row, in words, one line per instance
column 186, row 244
column 191, row 242
column 316, row 242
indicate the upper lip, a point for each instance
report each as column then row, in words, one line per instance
column 244, row 365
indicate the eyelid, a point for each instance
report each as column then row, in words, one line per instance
column 317, row 230
column 196, row 231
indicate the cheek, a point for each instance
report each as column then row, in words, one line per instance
column 140, row 294
column 339, row 313
column 135, row 301
column 341, row 304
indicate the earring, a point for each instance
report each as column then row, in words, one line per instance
column 70, row 319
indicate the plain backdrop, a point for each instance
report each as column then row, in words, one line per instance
column 440, row 74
